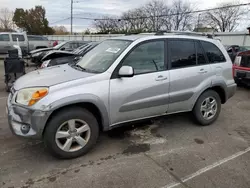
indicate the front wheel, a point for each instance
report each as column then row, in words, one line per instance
column 71, row 133
column 207, row 108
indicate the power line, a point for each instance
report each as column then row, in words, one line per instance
column 60, row 20
column 165, row 15
column 144, row 17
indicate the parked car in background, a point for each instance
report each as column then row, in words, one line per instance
column 38, row 42
column 241, row 68
column 59, row 57
column 121, row 80
column 55, row 43
column 232, row 50
column 27, row 43
column 37, row 55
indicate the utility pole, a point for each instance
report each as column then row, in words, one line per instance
column 198, row 23
column 71, row 18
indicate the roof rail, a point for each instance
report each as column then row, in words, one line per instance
column 185, row 33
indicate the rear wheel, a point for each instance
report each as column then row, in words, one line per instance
column 207, row 108
column 71, row 133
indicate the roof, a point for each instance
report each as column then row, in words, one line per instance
column 128, row 37
column 148, row 36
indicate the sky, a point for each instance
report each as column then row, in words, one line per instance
column 60, row 9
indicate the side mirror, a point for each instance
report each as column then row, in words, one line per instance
column 63, row 48
column 126, row 71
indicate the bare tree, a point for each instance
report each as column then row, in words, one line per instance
column 153, row 16
column 107, row 24
column 6, row 23
column 135, row 20
column 181, row 18
column 225, row 19
column 60, row 30
column 154, row 11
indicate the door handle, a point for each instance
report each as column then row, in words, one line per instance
column 160, row 78
column 202, row 71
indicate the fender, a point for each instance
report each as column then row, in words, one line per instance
column 81, row 98
column 223, row 85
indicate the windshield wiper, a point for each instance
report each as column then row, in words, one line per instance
column 83, row 69
column 79, row 67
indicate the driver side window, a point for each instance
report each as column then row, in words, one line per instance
column 147, row 57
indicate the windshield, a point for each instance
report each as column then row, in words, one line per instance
column 100, row 58
column 242, row 48
column 76, row 51
column 59, row 45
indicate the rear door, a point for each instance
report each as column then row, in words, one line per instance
column 221, row 67
column 189, row 73
column 5, row 43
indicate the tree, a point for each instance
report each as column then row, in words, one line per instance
column 107, row 25
column 87, row 32
column 225, row 19
column 180, row 19
column 60, row 30
column 33, row 21
column 153, row 11
column 153, row 16
column 6, row 23
column 134, row 20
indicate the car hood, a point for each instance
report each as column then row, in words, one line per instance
column 50, row 76
column 40, row 50
column 54, row 53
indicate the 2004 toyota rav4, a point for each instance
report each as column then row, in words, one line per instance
column 121, row 80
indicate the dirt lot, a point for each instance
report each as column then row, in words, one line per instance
column 169, row 152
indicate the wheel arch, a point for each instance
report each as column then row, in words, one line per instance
column 89, row 102
column 218, row 88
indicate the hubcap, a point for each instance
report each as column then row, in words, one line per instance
column 72, row 135
column 209, row 108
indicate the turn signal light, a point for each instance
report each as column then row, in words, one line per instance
column 37, row 96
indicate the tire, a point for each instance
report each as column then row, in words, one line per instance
column 199, row 114
column 61, row 119
column 7, row 88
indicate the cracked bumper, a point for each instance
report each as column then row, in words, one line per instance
column 20, row 116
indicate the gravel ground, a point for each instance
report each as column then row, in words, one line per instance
column 164, row 153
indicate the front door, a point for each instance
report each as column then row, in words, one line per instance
column 5, row 43
column 146, row 93
column 189, row 73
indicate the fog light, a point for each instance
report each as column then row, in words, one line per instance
column 25, row 129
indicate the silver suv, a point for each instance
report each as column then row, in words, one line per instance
column 122, row 80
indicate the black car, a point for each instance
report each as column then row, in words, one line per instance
column 62, row 57
column 37, row 55
column 233, row 50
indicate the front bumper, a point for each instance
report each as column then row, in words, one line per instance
column 242, row 76
column 19, row 117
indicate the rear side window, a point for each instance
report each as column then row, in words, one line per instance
column 182, row 53
column 36, row 38
column 213, row 53
column 4, row 37
column 19, row 37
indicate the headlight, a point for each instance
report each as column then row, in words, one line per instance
column 36, row 54
column 30, row 96
column 45, row 63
